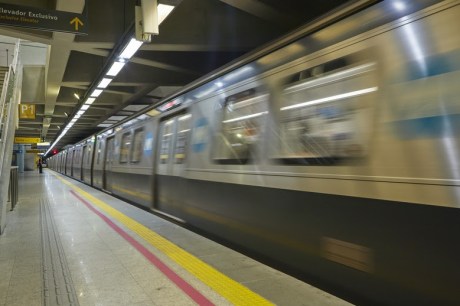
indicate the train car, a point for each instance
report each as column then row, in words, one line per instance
column 124, row 163
column 334, row 156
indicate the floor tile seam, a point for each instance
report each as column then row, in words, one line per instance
column 232, row 290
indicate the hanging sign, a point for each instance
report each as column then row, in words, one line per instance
column 26, row 111
column 42, row 19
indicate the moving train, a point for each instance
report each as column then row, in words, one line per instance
column 333, row 154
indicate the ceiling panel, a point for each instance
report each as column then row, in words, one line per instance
column 198, row 37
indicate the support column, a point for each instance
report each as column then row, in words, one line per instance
column 20, row 158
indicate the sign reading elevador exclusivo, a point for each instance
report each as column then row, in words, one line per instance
column 41, row 19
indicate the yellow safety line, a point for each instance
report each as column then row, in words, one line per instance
column 222, row 284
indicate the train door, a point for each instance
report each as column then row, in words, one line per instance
column 69, row 163
column 108, row 163
column 82, row 173
column 170, row 163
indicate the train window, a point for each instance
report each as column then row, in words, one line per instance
column 324, row 115
column 88, row 156
column 138, row 145
column 243, row 116
column 125, row 145
column 183, row 129
column 99, row 149
column 166, row 141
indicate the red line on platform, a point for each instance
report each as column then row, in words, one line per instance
column 176, row 279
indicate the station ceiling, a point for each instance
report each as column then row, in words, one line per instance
column 198, row 37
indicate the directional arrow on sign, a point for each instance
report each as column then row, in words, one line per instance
column 77, row 22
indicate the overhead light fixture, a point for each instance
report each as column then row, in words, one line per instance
column 119, row 62
column 131, row 48
column 163, row 12
column 96, row 93
column 76, row 96
column 115, row 68
column 104, row 83
column 90, row 101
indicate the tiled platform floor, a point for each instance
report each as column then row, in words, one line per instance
column 106, row 270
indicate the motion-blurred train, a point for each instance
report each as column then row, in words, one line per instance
column 333, row 153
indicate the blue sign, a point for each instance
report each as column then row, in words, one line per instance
column 200, row 135
column 148, row 144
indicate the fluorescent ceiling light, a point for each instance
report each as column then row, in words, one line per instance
column 115, row 69
column 76, row 96
column 84, row 107
column 332, row 98
column 80, row 112
column 96, row 93
column 90, row 101
column 131, row 48
column 245, row 117
column 104, row 83
column 163, row 12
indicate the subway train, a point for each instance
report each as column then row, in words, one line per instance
column 332, row 154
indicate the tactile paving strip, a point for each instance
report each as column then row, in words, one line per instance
column 58, row 288
column 233, row 291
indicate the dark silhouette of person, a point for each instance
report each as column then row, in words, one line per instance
column 40, row 166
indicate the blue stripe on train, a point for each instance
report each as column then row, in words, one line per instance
column 428, row 127
column 432, row 65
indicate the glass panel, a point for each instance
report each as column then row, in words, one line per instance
column 324, row 114
column 138, row 146
column 243, row 116
column 166, row 141
column 125, row 145
column 183, row 129
column 99, row 152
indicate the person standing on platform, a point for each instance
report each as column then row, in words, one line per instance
column 40, row 166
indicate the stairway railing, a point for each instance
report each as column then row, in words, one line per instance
column 9, row 100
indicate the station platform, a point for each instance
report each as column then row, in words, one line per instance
column 69, row 244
